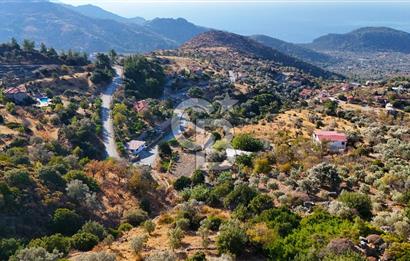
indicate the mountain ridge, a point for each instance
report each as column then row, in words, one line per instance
column 365, row 39
column 293, row 50
column 100, row 13
column 64, row 27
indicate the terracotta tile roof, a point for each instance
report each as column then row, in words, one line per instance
column 306, row 92
column 141, row 105
column 331, row 136
column 15, row 90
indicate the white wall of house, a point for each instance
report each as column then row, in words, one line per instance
column 334, row 146
column 137, row 151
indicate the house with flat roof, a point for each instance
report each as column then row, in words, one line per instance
column 136, row 146
column 335, row 141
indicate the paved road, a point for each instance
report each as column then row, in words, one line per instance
column 148, row 156
column 108, row 129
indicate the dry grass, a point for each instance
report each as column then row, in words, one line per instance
column 287, row 122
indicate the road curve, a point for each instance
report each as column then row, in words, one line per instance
column 106, row 117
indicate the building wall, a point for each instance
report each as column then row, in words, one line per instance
column 334, row 146
column 137, row 151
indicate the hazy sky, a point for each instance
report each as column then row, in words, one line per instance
column 297, row 21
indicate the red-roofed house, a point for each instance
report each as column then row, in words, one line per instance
column 336, row 141
column 305, row 93
column 17, row 94
column 141, row 106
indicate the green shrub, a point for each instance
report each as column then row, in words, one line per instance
column 232, row 238
column 247, row 142
column 51, row 176
column 149, row 226
column 17, row 178
column 360, row 202
column 35, row 254
column 135, row 216
column 244, row 160
column 138, row 243
column 242, row 194
column 181, row 183
column 198, row 177
column 11, row 107
column 165, row 150
column 84, row 241
column 303, row 240
column 200, row 193
column 8, row 247
column 124, row 227
column 260, row 203
column 175, row 236
column 94, row 228
column 66, row 221
column 182, row 223
column 80, row 175
column 279, row 219
column 54, row 242
column 213, row 223
column 198, row 256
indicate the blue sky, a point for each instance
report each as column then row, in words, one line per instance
column 296, row 21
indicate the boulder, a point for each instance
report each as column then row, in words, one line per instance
column 340, row 246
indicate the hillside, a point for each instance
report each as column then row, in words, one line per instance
column 368, row 39
column 64, row 28
column 293, row 50
column 250, row 47
column 179, row 30
column 99, row 13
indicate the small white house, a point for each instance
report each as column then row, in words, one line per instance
column 390, row 109
column 336, row 141
column 231, row 154
column 136, row 146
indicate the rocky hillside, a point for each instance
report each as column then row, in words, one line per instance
column 250, row 47
column 368, row 39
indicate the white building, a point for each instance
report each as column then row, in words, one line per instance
column 390, row 109
column 136, row 146
column 231, row 154
column 336, row 141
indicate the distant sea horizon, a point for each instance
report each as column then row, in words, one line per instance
column 293, row 22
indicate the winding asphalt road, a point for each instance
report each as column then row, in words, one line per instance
column 106, row 117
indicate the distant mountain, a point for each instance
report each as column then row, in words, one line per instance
column 367, row 39
column 99, row 13
column 294, row 50
column 179, row 30
column 63, row 28
column 252, row 48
